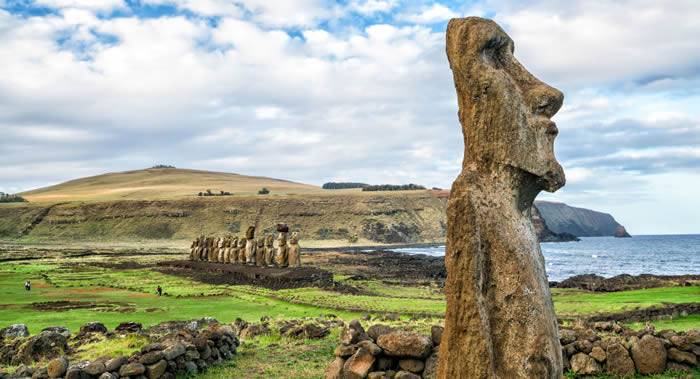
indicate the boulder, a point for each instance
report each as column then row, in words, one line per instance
column 405, row 344
column 45, row 345
column 132, row 369
column 682, row 356
column 14, row 331
column 95, row 368
column 114, row 364
column 649, row 355
column 384, row 363
column 583, row 364
column 128, row 327
column 156, row 370
column 41, row 373
column 412, row 365
column 567, row 336
column 190, row 367
column 377, row 330
column 618, row 360
column 58, row 329
column 370, row 346
column 345, row 351
column 174, row 351
column 436, row 334
column 358, row 366
column 57, row 367
column 377, row 375
column 677, row 367
column 108, row 375
column 93, row 327
column 353, row 333
column 315, row 331
column 598, row 354
column 335, row 369
column 151, row 357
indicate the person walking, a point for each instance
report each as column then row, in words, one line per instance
column 159, row 290
column 28, row 285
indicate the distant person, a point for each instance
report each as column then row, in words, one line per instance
column 159, row 290
column 28, row 285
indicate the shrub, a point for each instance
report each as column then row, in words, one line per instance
column 343, row 185
column 10, row 198
column 263, row 191
column 163, row 166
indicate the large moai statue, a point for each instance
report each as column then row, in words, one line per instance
column 199, row 255
column 500, row 321
column 250, row 246
column 193, row 249
column 234, row 251
column 207, row 249
column 260, row 252
column 281, row 259
column 227, row 248
column 270, row 250
column 222, row 251
column 294, row 252
column 241, row 250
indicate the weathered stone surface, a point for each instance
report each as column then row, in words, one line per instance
column 156, row 370
column 45, row 345
column 14, row 331
column 377, row 375
column 682, row 356
column 431, row 365
column 108, row 375
column 95, row 368
column 57, row 367
column 191, row 367
column 436, row 334
column 370, row 346
column 294, row 251
column 412, row 365
column 132, row 369
column 384, row 363
column 345, row 351
column 377, row 330
column 41, row 373
column 335, row 369
column 358, row 366
column 151, row 357
column 93, row 327
column 649, row 355
column 583, row 364
column 598, row 354
column 499, row 308
column 678, row 367
column 128, row 327
column 57, row 329
column 405, row 344
column 406, row 375
column 618, row 360
column 174, row 351
column 115, row 363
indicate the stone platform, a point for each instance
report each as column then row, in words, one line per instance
column 269, row 277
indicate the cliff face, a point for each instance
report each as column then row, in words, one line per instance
column 544, row 234
column 580, row 222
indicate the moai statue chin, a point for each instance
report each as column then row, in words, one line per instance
column 234, row 251
column 281, row 259
column 270, row 250
column 250, row 246
column 294, row 252
column 500, row 321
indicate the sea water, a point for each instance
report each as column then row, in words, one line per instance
column 609, row 256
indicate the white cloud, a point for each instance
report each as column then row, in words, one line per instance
column 433, row 14
column 206, row 8
column 95, row 5
column 369, row 7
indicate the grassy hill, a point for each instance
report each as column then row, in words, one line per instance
column 160, row 183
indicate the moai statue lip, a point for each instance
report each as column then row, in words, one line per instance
column 500, row 320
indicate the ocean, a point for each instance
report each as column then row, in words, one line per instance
column 609, row 256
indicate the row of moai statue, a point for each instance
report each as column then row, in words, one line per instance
column 264, row 252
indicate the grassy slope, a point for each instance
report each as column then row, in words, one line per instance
column 161, row 184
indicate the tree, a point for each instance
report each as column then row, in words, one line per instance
column 263, row 191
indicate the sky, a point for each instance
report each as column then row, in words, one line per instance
column 356, row 90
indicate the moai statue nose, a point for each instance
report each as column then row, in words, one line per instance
column 544, row 100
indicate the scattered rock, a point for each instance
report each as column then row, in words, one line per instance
column 598, row 354
column 412, row 365
column 93, row 327
column 618, row 360
column 377, row 330
column 45, row 345
column 114, row 364
column 58, row 329
column 14, row 331
column 335, row 369
column 95, row 368
column 128, row 327
column 57, row 367
column 436, row 334
column 156, row 370
column 174, row 351
column 405, row 344
column 151, row 357
column 583, row 364
column 682, row 356
column 649, row 355
column 358, row 365
column 132, row 369
column 406, row 375
column 370, row 346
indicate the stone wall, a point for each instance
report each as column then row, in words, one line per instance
column 175, row 348
column 603, row 347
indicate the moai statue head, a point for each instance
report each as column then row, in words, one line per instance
column 250, row 233
column 220, row 242
column 261, row 243
column 489, row 80
column 294, row 238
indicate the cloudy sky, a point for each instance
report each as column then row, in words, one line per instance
column 355, row 90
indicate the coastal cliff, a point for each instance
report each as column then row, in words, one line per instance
column 581, row 222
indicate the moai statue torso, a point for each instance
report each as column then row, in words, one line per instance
column 293, row 251
column 207, row 249
column 227, row 249
column 193, row 249
column 234, row 251
column 270, row 250
column 260, row 252
column 250, row 246
column 500, row 321
column 241, row 251
column 199, row 255
column 281, row 252
column 221, row 250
